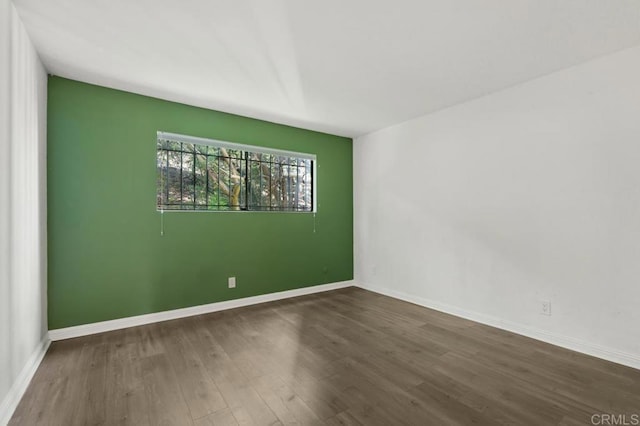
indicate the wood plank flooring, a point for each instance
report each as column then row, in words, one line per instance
column 346, row 357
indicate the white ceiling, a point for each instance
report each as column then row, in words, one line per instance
column 340, row 66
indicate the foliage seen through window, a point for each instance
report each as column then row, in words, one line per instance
column 195, row 176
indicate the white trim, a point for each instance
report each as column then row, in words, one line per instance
column 100, row 327
column 232, row 145
column 609, row 354
column 19, row 387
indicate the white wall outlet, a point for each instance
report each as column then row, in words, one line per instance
column 232, row 282
column 545, row 307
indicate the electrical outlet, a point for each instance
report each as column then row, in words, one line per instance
column 232, row 282
column 545, row 307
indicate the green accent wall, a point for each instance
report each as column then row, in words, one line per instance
column 107, row 258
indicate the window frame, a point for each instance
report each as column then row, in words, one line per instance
column 176, row 137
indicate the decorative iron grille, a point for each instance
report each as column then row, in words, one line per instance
column 214, row 176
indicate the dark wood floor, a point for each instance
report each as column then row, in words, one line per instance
column 346, row 357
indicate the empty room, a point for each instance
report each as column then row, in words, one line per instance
column 295, row 212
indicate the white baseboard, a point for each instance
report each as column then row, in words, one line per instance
column 116, row 324
column 609, row 354
column 10, row 402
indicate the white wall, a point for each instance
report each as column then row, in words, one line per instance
column 5, row 130
column 532, row 193
column 23, row 322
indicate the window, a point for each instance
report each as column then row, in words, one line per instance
column 204, row 174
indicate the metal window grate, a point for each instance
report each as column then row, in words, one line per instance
column 202, row 174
